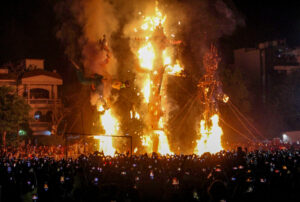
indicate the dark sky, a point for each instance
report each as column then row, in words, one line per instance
column 268, row 20
column 27, row 28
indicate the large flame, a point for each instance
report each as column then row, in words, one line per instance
column 111, row 126
column 146, row 56
column 147, row 143
column 150, row 23
column 146, row 90
column 210, row 140
column 163, row 144
column 151, row 53
column 174, row 69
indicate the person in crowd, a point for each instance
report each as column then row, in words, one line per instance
column 43, row 173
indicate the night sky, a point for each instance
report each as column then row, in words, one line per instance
column 28, row 28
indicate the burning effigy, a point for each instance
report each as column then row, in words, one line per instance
column 210, row 93
column 156, row 61
column 151, row 31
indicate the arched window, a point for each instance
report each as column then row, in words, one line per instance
column 37, row 115
column 39, row 93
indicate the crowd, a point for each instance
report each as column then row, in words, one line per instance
column 225, row 176
column 56, row 152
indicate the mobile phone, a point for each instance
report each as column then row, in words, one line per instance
column 9, row 169
column 233, row 179
column 195, row 195
column 35, row 197
column 262, row 180
column 250, row 189
column 62, row 179
column 46, row 187
column 151, row 175
column 96, row 180
column 218, row 170
column 175, row 181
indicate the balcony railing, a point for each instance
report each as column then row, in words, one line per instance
column 39, row 124
column 44, row 101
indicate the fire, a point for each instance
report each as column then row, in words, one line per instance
column 163, row 145
column 155, row 56
column 150, row 23
column 146, row 56
column 134, row 115
column 137, row 116
column 101, row 108
column 174, row 70
column 147, row 88
column 147, row 143
column 111, row 127
column 225, row 98
column 210, row 140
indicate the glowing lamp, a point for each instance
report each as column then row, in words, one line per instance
column 22, row 132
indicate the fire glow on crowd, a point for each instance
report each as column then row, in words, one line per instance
column 156, row 54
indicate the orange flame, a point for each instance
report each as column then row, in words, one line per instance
column 210, row 140
column 148, row 55
column 111, row 127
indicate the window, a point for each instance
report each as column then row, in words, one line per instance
column 39, row 93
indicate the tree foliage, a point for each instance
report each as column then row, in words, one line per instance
column 235, row 87
column 285, row 99
column 14, row 111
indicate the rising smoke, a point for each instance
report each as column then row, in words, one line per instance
column 84, row 22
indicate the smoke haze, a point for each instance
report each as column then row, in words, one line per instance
column 197, row 23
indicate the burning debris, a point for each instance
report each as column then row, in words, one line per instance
column 102, row 100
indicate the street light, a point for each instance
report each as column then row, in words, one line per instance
column 285, row 138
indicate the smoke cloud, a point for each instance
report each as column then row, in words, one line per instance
column 197, row 23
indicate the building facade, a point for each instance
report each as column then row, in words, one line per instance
column 265, row 63
column 40, row 89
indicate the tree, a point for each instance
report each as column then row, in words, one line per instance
column 285, row 99
column 14, row 112
column 235, row 86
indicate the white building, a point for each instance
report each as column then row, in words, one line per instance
column 40, row 88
